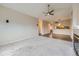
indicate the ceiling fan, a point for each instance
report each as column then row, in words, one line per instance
column 49, row 12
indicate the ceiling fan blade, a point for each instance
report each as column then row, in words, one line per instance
column 51, row 14
column 51, row 11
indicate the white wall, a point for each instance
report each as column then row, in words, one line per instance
column 75, row 19
column 75, row 15
column 20, row 27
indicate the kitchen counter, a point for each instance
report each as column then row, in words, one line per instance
column 62, row 31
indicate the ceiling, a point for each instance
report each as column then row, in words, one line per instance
column 62, row 10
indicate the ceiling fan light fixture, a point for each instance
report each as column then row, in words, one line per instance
column 48, row 14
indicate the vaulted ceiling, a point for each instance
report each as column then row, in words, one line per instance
column 61, row 10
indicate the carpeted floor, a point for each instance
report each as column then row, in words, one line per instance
column 38, row 46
